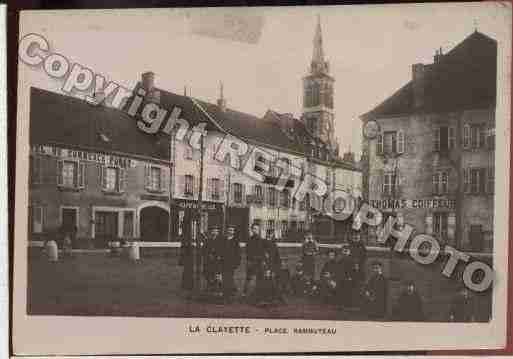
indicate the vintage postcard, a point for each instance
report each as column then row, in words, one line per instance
column 297, row 179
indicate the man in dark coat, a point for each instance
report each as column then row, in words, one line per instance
column 331, row 265
column 310, row 249
column 273, row 254
column 254, row 256
column 357, row 248
column 462, row 308
column 212, row 256
column 376, row 293
column 267, row 292
column 343, row 276
column 409, row 305
column 284, row 278
column 327, row 288
column 230, row 253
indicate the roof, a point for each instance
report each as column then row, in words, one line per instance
column 463, row 79
column 68, row 121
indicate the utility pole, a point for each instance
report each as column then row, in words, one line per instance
column 171, row 182
column 200, row 215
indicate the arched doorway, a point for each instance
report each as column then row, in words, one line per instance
column 154, row 224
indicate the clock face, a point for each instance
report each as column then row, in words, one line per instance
column 371, row 129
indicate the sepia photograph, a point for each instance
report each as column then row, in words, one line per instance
column 263, row 175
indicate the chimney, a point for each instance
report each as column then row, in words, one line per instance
column 221, row 101
column 438, row 56
column 148, row 81
column 418, row 79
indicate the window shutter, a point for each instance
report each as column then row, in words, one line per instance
column 379, row 147
column 195, row 188
column 400, row 142
column 466, row 180
column 165, row 179
column 437, row 139
column 243, row 187
column 429, row 224
column 482, row 137
column 121, row 179
column 482, row 180
column 451, row 226
column 436, row 181
column 103, row 170
column 222, row 190
column 490, row 183
column 452, row 137
column 147, row 176
column 81, row 174
column 182, row 184
column 209, row 190
column 466, row 136
column 59, row 172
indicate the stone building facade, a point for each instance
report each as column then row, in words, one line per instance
column 94, row 171
column 432, row 158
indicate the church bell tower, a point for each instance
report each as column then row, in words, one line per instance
column 318, row 94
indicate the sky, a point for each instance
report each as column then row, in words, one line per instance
column 370, row 49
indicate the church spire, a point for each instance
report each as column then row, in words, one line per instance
column 318, row 52
column 319, row 64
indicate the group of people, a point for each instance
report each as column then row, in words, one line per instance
column 342, row 280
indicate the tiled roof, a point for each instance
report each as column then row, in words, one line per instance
column 464, row 78
column 65, row 120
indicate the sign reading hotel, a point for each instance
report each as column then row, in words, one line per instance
column 416, row 203
column 97, row 157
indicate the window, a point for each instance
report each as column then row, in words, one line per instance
column 37, row 214
column 477, row 136
column 188, row 152
column 389, row 187
column 301, row 227
column 237, row 192
column 441, row 182
column 155, row 179
column 477, row 178
column 444, row 138
column 440, row 224
column 112, row 179
column 284, row 228
column 188, row 185
column 128, row 224
column 474, row 136
column 491, row 180
column 490, row 139
column 69, row 171
column 400, row 142
column 36, row 169
column 270, row 226
column 258, row 193
column 285, row 198
column 390, row 142
column 70, row 174
column 379, row 144
column 215, row 188
column 293, row 226
column 272, row 197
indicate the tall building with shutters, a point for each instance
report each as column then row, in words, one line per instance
column 432, row 158
column 94, row 171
